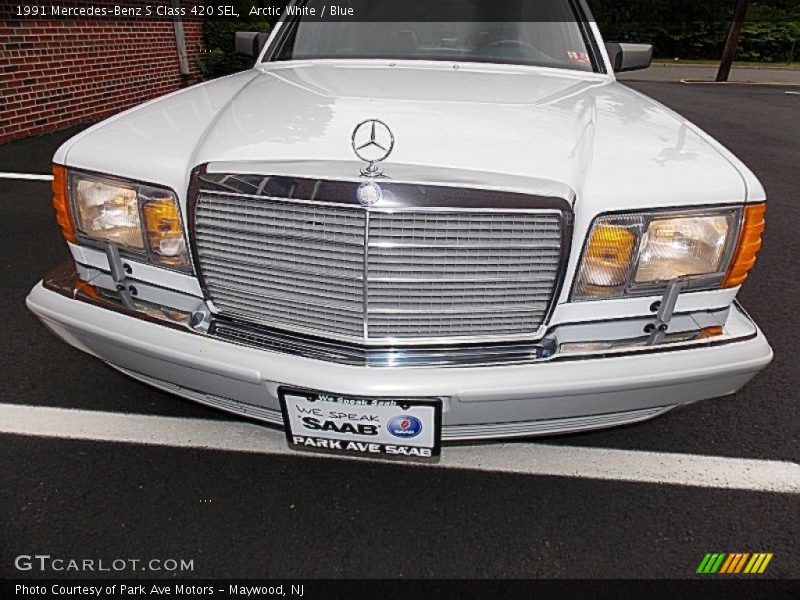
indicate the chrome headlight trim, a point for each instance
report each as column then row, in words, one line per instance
column 703, row 281
column 143, row 190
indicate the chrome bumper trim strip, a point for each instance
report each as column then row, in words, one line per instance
column 450, row 433
column 64, row 280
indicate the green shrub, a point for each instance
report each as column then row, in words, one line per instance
column 685, row 29
column 218, row 56
column 697, row 30
column 770, row 36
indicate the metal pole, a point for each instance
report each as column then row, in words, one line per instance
column 733, row 40
column 180, row 41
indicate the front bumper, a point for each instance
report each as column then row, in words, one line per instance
column 541, row 397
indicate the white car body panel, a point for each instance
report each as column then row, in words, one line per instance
column 581, row 130
column 576, row 131
column 507, row 401
column 579, row 136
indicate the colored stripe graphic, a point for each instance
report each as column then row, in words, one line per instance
column 703, row 563
column 754, row 562
column 737, row 563
column 742, row 559
column 758, row 563
column 711, row 562
column 727, row 564
column 734, row 562
column 764, row 564
column 715, row 567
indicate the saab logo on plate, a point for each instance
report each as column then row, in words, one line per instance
column 405, row 426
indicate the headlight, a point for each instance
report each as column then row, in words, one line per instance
column 638, row 253
column 107, row 211
column 139, row 218
column 677, row 247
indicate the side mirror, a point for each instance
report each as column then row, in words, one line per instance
column 250, row 42
column 629, row 57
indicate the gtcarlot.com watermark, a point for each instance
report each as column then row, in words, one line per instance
column 46, row 563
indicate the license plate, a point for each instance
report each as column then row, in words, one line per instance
column 397, row 427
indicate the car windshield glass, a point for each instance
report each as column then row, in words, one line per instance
column 542, row 33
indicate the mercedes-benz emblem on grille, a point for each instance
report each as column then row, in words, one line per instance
column 372, row 142
column 369, row 193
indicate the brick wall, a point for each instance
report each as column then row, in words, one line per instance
column 54, row 74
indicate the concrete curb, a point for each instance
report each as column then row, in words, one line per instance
column 704, row 81
column 669, row 65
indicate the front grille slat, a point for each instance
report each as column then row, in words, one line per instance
column 306, row 261
column 247, row 224
column 311, row 299
column 275, row 262
column 224, row 263
column 517, row 255
column 299, row 316
column 399, row 326
column 411, row 274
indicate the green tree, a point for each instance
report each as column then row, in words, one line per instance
column 689, row 29
column 218, row 55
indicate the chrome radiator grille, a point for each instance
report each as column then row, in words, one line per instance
column 454, row 274
column 294, row 265
column 342, row 271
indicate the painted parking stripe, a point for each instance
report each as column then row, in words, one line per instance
column 522, row 458
column 26, row 176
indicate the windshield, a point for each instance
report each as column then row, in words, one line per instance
column 543, row 33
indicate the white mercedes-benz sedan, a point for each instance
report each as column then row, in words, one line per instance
column 388, row 235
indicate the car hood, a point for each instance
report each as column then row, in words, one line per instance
column 587, row 134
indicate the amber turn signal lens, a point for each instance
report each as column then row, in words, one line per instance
column 748, row 245
column 87, row 289
column 165, row 233
column 162, row 218
column 709, row 332
column 609, row 254
column 61, row 204
column 608, row 257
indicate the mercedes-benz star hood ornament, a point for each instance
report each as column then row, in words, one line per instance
column 373, row 141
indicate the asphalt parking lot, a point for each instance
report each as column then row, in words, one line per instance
column 258, row 514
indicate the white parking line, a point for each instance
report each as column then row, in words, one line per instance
column 522, row 458
column 26, row 176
